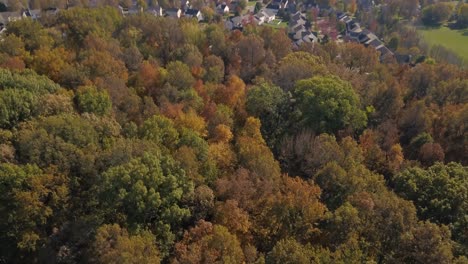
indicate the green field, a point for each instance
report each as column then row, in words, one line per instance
column 455, row 40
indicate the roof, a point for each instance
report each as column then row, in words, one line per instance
column 384, row 51
column 192, row 12
column 173, row 10
column 236, row 20
column 297, row 22
column 375, row 43
column 228, row 25
column 7, row 15
column 273, row 6
column 296, row 16
column 363, row 37
column 403, row 58
column 268, row 13
column 340, row 15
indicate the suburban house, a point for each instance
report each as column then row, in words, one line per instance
column 51, row 11
column 303, row 36
column 156, row 11
column 222, row 9
column 355, row 33
column 174, row 12
column 273, row 8
column 299, row 30
column 264, row 16
column 10, row 16
column 33, row 14
column 282, row 4
column 194, row 13
column 185, row 4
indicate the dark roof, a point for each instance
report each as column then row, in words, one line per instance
column 375, row 43
column 192, row 12
column 172, row 10
column 366, row 31
column 384, row 51
column 363, row 37
column 403, row 58
column 340, row 15
column 273, row 6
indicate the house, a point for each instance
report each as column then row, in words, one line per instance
column 273, row 8
column 123, row 10
column 259, row 18
column 292, row 7
column 194, row 13
column 384, row 52
column 282, row 4
column 185, row 5
column 174, row 12
column 222, row 9
column 264, row 16
column 228, row 25
column 304, row 36
column 10, row 16
column 33, row 14
column 294, row 23
column 155, row 11
column 50, row 11
column 403, row 58
column 375, row 43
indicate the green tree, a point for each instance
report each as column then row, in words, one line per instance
column 258, row 7
column 179, row 75
column 439, row 193
column 329, row 104
column 90, row 100
column 435, row 14
column 462, row 18
column 269, row 103
column 161, row 130
column 16, row 106
column 147, row 192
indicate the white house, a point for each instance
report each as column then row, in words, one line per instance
column 264, row 16
column 194, row 13
column 155, row 11
column 222, row 9
column 174, row 12
column 33, row 14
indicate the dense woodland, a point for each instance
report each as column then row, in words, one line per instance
column 147, row 140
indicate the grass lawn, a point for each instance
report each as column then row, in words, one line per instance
column 455, row 40
column 277, row 23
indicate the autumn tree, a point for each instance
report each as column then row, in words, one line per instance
column 33, row 202
column 114, row 244
column 208, row 243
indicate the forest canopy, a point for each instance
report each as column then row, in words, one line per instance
column 142, row 139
